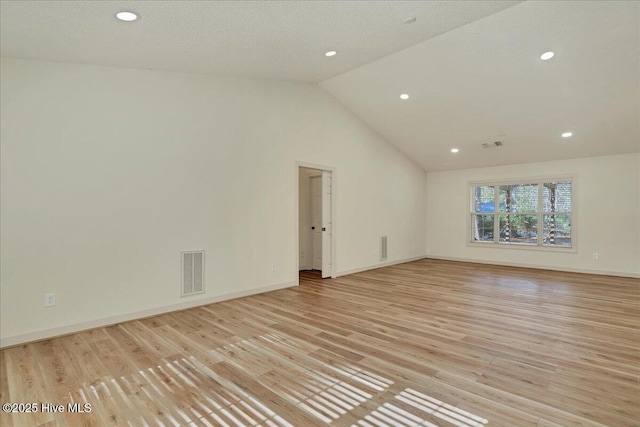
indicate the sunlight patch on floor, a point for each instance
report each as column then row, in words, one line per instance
column 391, row 415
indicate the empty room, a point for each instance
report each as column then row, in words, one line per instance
column 309, row 213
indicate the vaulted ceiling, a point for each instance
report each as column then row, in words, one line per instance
column 472, row 70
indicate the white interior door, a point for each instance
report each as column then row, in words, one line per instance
column 327, row 226
column 315, row 191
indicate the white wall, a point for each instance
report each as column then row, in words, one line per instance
column 608, row 215
column 107, row 174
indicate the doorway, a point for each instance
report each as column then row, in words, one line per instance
column 315, row 220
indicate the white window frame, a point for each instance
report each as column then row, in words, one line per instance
column 496, row 243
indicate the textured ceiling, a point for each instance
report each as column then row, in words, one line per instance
column 283, row 40
column 472, row 68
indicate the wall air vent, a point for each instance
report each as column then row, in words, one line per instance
column 492, row 144
column 383, row 248
column 192, row 272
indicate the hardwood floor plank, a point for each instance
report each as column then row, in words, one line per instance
column 426, row 343
column 5, row 417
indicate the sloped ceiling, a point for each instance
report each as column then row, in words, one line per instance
column 472, row 69
column 485, row 82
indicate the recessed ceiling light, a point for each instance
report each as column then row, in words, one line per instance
column 331, row 53
column 404, row 96
column 567, row 134
column 454, row 150
column 547, row 55
column 127, row 16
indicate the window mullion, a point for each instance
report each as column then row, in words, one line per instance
column 540, row 214
column 496, row 214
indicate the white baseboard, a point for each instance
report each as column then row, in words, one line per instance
column 380, row 265
column 112, row 320
column 538, row 267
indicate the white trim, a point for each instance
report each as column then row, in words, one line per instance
column 112, row 320
column 524, row 246
column 301, row 164
column 380, row 265
column 537, row 266
column 527, row 180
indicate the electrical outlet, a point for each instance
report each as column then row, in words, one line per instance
column 274, row 267
column 595, row 255
column 49, row 300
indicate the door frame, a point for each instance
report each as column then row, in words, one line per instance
column 332, row 170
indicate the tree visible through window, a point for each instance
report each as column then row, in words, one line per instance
column 534, row 213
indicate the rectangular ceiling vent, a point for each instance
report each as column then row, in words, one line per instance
column 492, row 144
column 383, row 248
column 192, row 272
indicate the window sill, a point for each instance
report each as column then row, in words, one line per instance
column 520, row 247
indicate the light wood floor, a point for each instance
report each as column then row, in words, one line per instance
column 428, row 343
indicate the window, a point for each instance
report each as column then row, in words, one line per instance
column 526, row 213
